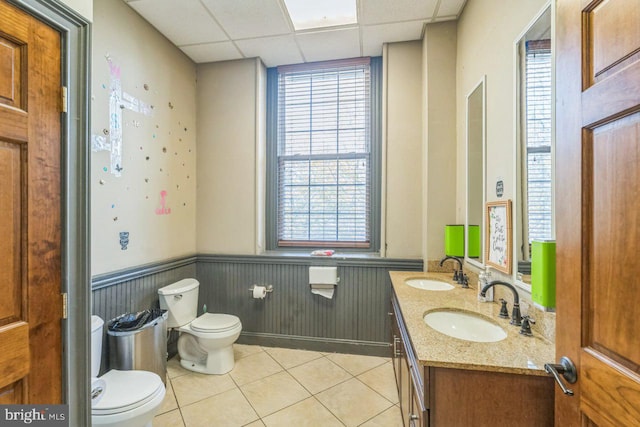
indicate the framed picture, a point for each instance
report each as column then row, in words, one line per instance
column 498, row 236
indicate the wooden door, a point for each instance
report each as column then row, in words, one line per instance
column 30, row 205
column 598, row 209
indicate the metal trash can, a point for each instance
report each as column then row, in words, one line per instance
column 139, row 341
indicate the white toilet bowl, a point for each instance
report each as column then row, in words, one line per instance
column 131, row 399
column 125, row 398
column 206, row 342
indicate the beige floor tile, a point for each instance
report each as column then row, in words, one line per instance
column 389, row 418
column 382, row 379
column 273, row 393
column 228, row 409
column 193, row 387
column 308, row 413
column 174, row 369
column 258, row 423
column 243, row 350
column 290, row 358
column 319, row 374
column 169, row 403
column 356, row 364
column 254, row 367
column 353, row 402
column 169, row 419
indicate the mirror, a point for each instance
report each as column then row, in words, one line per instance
column 534, row 216
column 474, row 223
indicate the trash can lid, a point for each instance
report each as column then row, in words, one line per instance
column 131, row 322
column 183, row 285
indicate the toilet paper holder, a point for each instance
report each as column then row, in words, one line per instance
column 269, row 288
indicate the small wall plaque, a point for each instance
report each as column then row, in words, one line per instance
column 499, row 188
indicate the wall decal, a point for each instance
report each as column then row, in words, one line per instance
column 163, row 209
column 124, row 240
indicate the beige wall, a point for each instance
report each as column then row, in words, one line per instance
column 402, row 149
column 485, row 47
column 83, row 7
column 129, row 203
column 230, row 156
column 439, row 135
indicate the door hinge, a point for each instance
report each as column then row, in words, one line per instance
column 64, row 99
column 65, row 305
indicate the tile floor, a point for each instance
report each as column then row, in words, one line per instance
column 283, row 387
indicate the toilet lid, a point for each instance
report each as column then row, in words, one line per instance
column 125, row 390
column 215, row 322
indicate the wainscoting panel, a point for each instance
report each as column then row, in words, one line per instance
column 136, row 289
column 355, row 320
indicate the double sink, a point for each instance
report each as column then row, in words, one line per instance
column 456, row 323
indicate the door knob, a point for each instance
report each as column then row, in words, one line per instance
column 567, row 369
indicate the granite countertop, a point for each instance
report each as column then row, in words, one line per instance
column 515, row 354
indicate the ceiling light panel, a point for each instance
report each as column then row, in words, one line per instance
column 243, row 19
column 307, row 14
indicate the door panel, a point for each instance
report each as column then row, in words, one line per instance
column 598, row 210
column 30, row 218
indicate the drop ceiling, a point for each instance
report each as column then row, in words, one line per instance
column 220, row 30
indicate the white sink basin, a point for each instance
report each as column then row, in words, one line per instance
column 464, row 325
column 429, row 284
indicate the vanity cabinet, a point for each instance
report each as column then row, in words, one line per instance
column 449, row 397
column 409, row 373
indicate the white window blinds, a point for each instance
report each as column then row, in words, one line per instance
column 538, row 115
column 324, row 154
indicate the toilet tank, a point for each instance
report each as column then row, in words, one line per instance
column 180, row 299
column 96, row 344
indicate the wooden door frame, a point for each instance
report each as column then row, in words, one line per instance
column 76, row 278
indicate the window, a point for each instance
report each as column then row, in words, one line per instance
column 323, row 139
column 538, row 137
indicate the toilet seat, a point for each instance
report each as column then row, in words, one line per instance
column 127, row 390
column 215, row 322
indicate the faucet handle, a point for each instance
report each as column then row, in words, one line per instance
column 504, row 313
column 464, row 281
column 525, row 328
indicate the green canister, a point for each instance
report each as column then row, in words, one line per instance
column 543, row 273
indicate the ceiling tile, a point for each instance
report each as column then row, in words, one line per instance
column 243, row 19
column 387, row 11
column 279, row 50
column 374, row 35
column 450, row 7
column 183, row 22
column 330, row 44
column 211, row 52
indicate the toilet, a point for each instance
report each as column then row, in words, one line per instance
column 206, row 342
column 121, row 398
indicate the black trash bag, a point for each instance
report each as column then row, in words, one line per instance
column 134, row 321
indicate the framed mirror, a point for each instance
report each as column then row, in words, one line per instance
column 475, row 162
column 534, row 205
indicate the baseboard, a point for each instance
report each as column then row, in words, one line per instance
column 326, row 345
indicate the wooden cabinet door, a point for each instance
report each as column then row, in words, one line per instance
column 598, row 209
column 30, row 201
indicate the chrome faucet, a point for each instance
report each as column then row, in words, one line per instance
column 458, row 275
column 516, row 318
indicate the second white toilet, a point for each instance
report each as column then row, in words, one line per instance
column 206, row 342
